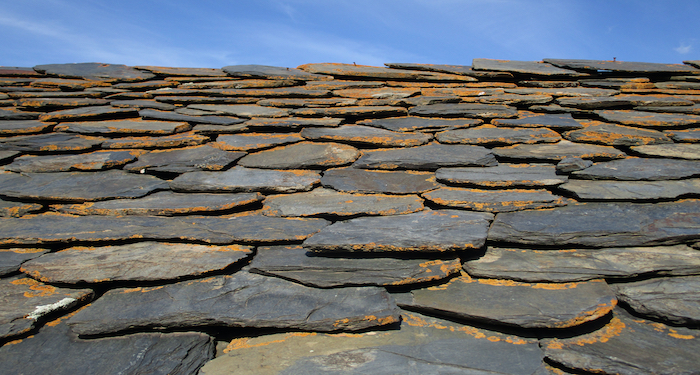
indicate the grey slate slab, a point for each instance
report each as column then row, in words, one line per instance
column 95, row 71
column 297, row 103
column 142, row 103
column 503, row 175
column 297, row 264
column 141, row 261
column 6, row 155
column 671, row 299
column 180, row 353
column 466, row 70
column 23, row 127
column 511, row 303
column 242, row 179
column 323, row 201
column 366, row 136
column 242, row 110
column 622, row 66
column 26, row 301
column 52, row 104
column 270, row 72
column 81, row 162
column 623, row 101
column 675, row 150
column 562, row 91
column 584, row 264
column 641, row 169
column 162, row 203
column 492, row 135
column 165, row 141
column 649, row 119
column 427, row 157
column 16, row 209
column 180, row 72
column 469, row 110
column 375, row 72
column 170, row 116
column 277, row 92
column 292, row 123
column 302, row 155
column 58, row 228
column 631, row 190
column 53, row 142
column 137, row 127
column 15, row 115
column 11, row 259
column 353, row 180
column 690, row 135
column 409, row 124
column 255, row 141
column 494, row 200
column 616, row 135
column 523, row 67
column 105, row 112
column 572, row 164
column 186, row 159
column 239, row 300
column 552, row 121
column 441, row 231
column 601, row 225
column 558, row 151
column 628, row 346
column 689, row 109
column 351, row 111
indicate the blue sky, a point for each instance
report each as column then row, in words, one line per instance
column 208, row 33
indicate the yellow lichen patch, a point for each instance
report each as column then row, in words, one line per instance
column 132, row 290
column 14, row 342
column 24, row 251
column 612, row 329
column 37, row 289
column 417, row 321
column 57, row 321
column 673, row 333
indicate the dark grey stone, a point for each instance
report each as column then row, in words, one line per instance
column 354, row 180
column 469, row 110
column 466, row 70
column 523, row 67
column 15, row 115
column 688, row 109
column 572, row 164
column 366, row 135
column 255, row 141
column 50, row 142
column 171, row 116
column 564, row 91
column 292, row 123
column 616, row 135
column 672, row 299
column 270, row 72
column 81, row 162
column 503, row 175
column 631, row 190
column 6, row 155
column 641, row 169
column 137, row 127
column 558, row 151
column 689, row 135
column 53, row 104
column 302, row 155
column 623, row 101
column 187, row 159
column 354, row 71
column 675, row 150
column 491, row 135
column 427, row 157
column 241, row 179
column 22, row 127
column 242, row 110
column 494, row 200
column 90, row 113
column 16, row 209
column 441, row 231
column 12, row 259
column 552, row 121
column 649, row 119
column 410, row 124
column 601, row 225
column 95, row 71
column 360, row 111
column 189, row 73
column 622, row 66
column 142, row 103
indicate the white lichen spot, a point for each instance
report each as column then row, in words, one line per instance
column 40, row 311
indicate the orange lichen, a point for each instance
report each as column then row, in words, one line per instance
column 38, row 289
column 612, row 329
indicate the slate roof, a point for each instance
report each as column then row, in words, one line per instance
column 508, row 217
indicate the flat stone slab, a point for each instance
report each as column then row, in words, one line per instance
column 378, row 93
column 351, row 111
column 6, row 155
column 11, row 114
column 166, row 141
column 428, row 157
column 622, row 66
column 255, row 141
column 323, row 201
column 125, row 127
column 162, row 203
column 16, row 209
column 141, row 261
column 302, row 155
column 311, row 102
column 616, row 135
column 12, row 259
column 95, row 71
column 78, row 186
column 688, row 109
column 270, row 72
column 411, row 124
column 503, row 175
column 187, row 159
column 354, row 71
column 239, row 300
column 511, row 303
column 584, row 264
column 562, row 91
column 10, row 127
column 563, row 121
column 623, row 101
column 672, row 299
column 205, row 119
column 183, row 72
column 292, row 123
column 178, row 353
column 366, row 136
column 649, row 119
column 241, row 179
column 468, row 110
column 277, row 92
column 26, row 301
column 558, row 151
column 440, row 231
column 494, row 200
column 641, row 169
column 631, row 190
column 689, row 136
column 242, row 110
column 488, row 135
column 59, row 228
column 105, row 112
column 92, row 161
column 675, row 150
column 297, row 264
column 50, row 142
column 628, row 345
column 352, row 180
column 53, row 104
column 601, row 225
column 523, row 67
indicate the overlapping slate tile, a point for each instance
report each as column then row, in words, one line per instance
column 494, row 201
column 242, row 179
column 628, row 345
column 563, row 91
column 584, row 264
column 141, row 261
column 90, row 113
column 649, row 119
column 534, row 120
column 468, row 110
column 26, row 301
column 283, row 92
column 558, row 151
column 51, row 93
column 16, row 209
column 302, row 155
column 440, row 231
column 503, row 175
column 143, row 103
column 523, row 67
column 466, row 70
column 81, row 162
column 492, row 135
column 11, row 259
column 622, row 66
column 623, row 101
column 52, row 142
column 171, row 71
column 255, row 141
column 323, row 201
column 229, row 83
column 689, row 109
column 186, row 159
column 616, row 135
column 239, row 300
column 68, row 84
column 311, row 102
column 631, row 190
column 292, row 123
column 601, row 225
column 270, row 72
column 375, row 72
column 689, row 135
column 428, row 157
column 378, row 93
column 95, row 71
column 242, row 110
column 53, row 104
column 672, row 299
column 641, row 169
column 511, row 303
column 62, row 353
column 515, row 99
column 125, row 127
column 675, row 150
column 410, row 124
column 297, row 264
column 366, row 135
column 351, row 111
column 353, row 180
column 162, row 203
column 167, row 141
column 13, row 114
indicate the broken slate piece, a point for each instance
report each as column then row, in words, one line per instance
column 584, row 264
column 556, row 152
column 511, row 303
column 601, row 225
column 12, row 259
column 641, row 169
column 239, row 300
column 440, row 231
column 95, row 72
column 503, row 175
column 672, row 299
column 187, row 159
column 26, row 301
column 90, row 113
column 649, row 119
column 689, row 135
column 353, row 180
column 50, row 142
column 291, row 123
column 125, row 127
column 81, row 162
column 17, row 209
column 11, row 114
column 242, row 179
column 494, row 200
column 675, row 150
column 573, row 164
column 366, row 136
column 562, row 121
column 631, row 190
column 302, row 155
column 469, row 110
column 616, row 135
column 491, row 135
column 411, row 124
column 297, row 264
column 428, row 157
column 79, row 186
column 141, row 261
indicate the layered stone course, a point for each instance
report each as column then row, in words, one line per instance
column 504, row 217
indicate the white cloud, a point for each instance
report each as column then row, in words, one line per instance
column 683, row 48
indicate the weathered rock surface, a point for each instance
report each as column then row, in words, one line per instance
column 166, row 141
column 187, row 159
column 375, row 72
column 22, row 127
column 558, row 151
column 503, row 175
column 491, row 135
column 11, row 259
column 353, row 180
column 177, row 117
column 366, row 135
column 676, row 150
column 17, row 209
column 494, row 201
column 90, row 113
column 616, row 135
column 572, row 164
column 95, row 71
column 672, row 299
column 584, row 264
column 442, row 230
column 631, row 190
column 428, row 157
column 270, row 72
column 242, row 110
column 468, row 110
column 83, row 162
column 351, row 111
column 51, row 142
column 622, row 66
column 505, row 302
column 410, row 124
column 601, row 225
column 289, row 123
column 649, row 119
column 533, row 120
column 255, row 141
column 242, row 179
column 141, row 261
column 523, row 67
column 302, row 155
column 125, row 127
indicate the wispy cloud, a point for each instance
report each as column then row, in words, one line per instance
column 684, row 48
